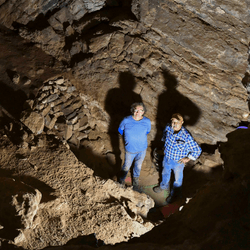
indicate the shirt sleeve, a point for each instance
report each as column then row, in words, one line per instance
column 165, row 133
column 120, row 131
column 193, row 148
column 149, row 126
column 121, row 127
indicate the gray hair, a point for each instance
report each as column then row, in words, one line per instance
column 134, row 105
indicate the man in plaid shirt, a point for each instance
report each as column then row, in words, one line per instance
column 179, row 148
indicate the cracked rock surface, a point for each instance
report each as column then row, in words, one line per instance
column 70, row 71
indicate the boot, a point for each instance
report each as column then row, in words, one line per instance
column 136, row 186
column 122, row 177
column 158, row 189
column 170, row 199
column 174, row 194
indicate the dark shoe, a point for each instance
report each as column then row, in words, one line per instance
column 136, row 186
column 157, row 189
column 174, row 195
column 122, row 177
column 170, row 199
column 135, row 181
column 122, row 182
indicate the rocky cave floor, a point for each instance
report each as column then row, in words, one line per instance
column 72, row 185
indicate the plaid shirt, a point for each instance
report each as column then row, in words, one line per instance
column 180, row 145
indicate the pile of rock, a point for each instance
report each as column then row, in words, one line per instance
column 58, row 109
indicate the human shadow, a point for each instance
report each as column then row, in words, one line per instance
column 117, row 104
column 12, row 100
column 172, row 101
column 246, row 83
column 235, row 154
column 99, row 164
column 85, row 240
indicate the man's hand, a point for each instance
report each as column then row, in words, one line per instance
column 184, row 160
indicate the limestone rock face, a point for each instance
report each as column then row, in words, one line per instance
column 176, row 56
column 26, row 11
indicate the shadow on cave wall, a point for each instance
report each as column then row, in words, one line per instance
column 246, row 84
column 98, row 163
column 235, row 154
column 119, row 100
column 117, row 104
column 172, row 101
column 12, row 100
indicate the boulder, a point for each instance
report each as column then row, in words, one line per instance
column 33, row 120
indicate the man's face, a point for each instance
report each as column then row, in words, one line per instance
column 138, row 112
column 176, row 124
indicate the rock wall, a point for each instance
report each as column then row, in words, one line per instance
column 175, row 55
column 185, row 56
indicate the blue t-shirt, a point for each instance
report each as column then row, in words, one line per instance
column 135, row 133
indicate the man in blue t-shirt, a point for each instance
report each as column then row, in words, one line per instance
column 135, row 129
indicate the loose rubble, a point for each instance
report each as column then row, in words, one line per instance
column 59, row 109
column 52, row 197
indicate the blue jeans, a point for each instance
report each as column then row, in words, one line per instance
column 137, row 158
column 177, row 168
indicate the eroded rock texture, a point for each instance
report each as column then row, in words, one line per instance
column 53, row 198
column 60, row 110
column 19, row 204
column 184, row 56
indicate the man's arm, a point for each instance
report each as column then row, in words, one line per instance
column 149, row 126
column 165, row 133
column 184, row 160
column 194, row 148
column 120, row 131
column 121, row 127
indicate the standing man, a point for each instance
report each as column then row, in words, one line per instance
column 135, row 129
column 179, row 148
